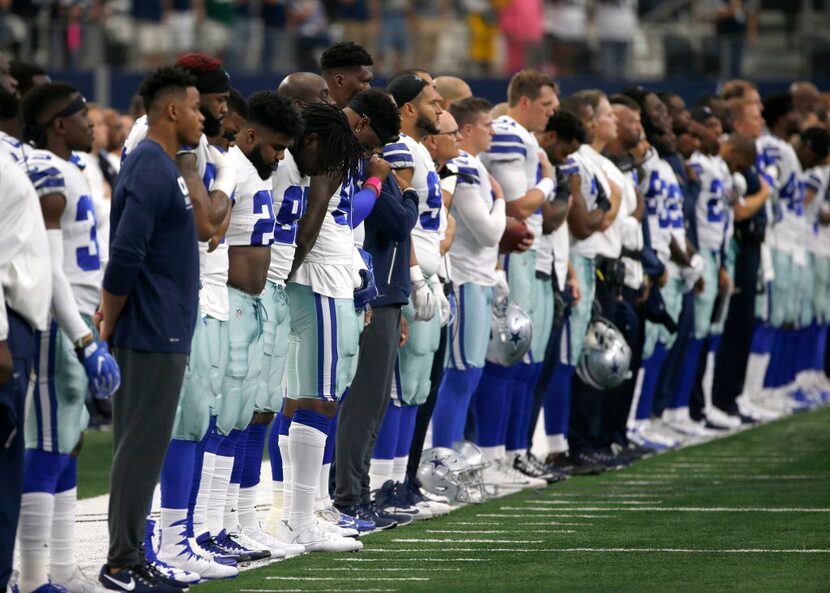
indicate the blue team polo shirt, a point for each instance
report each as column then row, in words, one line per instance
column 154, row 255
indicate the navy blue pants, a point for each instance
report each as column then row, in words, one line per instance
column 733, row 354
column 669, row 381
column 21, row 342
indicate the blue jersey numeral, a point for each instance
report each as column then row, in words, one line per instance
column 88, row 257
column 714, row 206
column 431, row 217
column 293, row 206
column 343, row 213
column 263, row 233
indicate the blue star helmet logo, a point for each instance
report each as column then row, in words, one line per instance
column 615, row 369
column 436, row 463
column 515, row 337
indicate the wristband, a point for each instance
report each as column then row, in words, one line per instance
column 374, row 183
column 545, row 186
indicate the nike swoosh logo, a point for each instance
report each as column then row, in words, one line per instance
column 126, row 586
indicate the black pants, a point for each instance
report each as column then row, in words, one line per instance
column 21, row 343
column 144, row 410
column 733, row 354
column 425, row 410
column 362, row 411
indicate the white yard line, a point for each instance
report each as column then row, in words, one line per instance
column 445, row 550
column 505, row 531
column 386, row 569
column 541, row 515
column 316, row 590
column 491, row 523
column 678, row 509
column 421, row 540
column 410, row 559
column 695, row 551
column 351, row 578
column 628, row 502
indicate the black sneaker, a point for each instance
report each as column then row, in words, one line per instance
column 380, row 513
column 365, row 512
column 551, row 477
column 137, row 579
column 575, row 466
column 634, row 451
column 180, row 586
column 393, row 498
column 230, row 543
column 605, row 458
column 219, row 554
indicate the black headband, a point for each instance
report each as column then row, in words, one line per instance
column 405, row 87
column 77, row 104
column 215, row 81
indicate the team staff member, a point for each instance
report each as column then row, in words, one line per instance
column 149, row 305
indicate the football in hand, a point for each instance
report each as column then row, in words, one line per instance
column 515, row 233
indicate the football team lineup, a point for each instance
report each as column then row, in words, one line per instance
column 750, row 512
column 343, row 337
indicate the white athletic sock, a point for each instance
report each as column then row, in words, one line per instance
column 62, row 554
column 223, row 466
column 756, row 369
column 247, row 507
column 230, row 519
column 502, row 451
column 285, row 453
column 306, row 445
column 515, row 453
column 399, row 469
column 708, row 380
column 557, row 443
column 323, row 498
column 33, row 536
column 380, row 470
column 172, row 530
column 203, row 495
column 490, row 454
column 632, row 411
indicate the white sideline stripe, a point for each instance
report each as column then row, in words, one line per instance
column 697, row 551
column 505, row 531
column 386, row 569
column 409, row 560
column 349, row 577
column 432, row 550
column 679, row 509
column 542, row 515
column 628, row 502
column 317, row 590
column 490, row 523
column 421, row 540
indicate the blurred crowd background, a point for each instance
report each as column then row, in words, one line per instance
column 611, row 39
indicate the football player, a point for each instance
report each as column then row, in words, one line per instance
column 70, row 358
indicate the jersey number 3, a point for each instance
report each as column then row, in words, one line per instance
column 88, row 257
column 431, row 216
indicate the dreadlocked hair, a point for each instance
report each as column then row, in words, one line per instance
column 198, row 63
column 338, row 149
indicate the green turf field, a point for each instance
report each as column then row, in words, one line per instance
column 746, row 513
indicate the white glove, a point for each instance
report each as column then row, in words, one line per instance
column 694, row 271
column 502, row 288
column 423, row 300
column 739, row 183
column 225, row 180
column 443, row 303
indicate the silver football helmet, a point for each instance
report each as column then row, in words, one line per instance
column 606, row 357
column 472, row 476
column 441, row 472
column 510, row 333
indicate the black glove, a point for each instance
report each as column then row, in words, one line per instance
column 603, row 203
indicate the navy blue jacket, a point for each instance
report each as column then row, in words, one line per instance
column 387, row 239
column 154, row 255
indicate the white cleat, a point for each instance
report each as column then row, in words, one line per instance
column 257, row 539
column 329, row 518
column 757, row 412
column 79, row 583
column 720, row 419
column 315, row 539
column 182, row 556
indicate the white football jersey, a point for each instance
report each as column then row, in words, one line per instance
column 213, row 266
column 817, row 179
column 711, row 209
column 584, row 163
column 781, row 163
column 290, row 191
column 51, row 174
column 426, row 236
column 561, row 247
column 252, row 217
column 329, row 267
column 472, row 262
column 664, row 205
column 609, row 241
column 13, row 147
column 514, row 151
